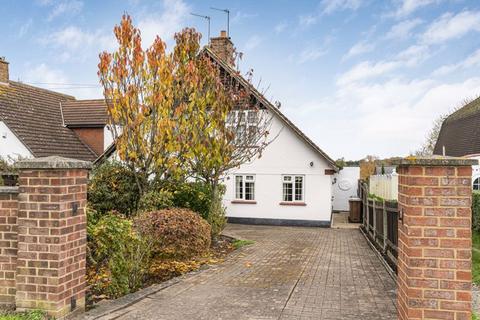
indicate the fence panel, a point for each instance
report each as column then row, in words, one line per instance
column 380, row 225
column 384, row 186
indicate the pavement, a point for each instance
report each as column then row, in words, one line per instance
column 288, row 273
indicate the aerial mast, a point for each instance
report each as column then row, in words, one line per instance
column 208, row 21
column 228, row 18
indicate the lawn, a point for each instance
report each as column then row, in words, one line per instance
column 476, row 257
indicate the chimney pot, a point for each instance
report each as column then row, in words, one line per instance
column 3, row 70
column 223, row 34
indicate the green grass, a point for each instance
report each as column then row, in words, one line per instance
column 237, row 244
column 476, row 258
column 29, row 315
column 475, row 316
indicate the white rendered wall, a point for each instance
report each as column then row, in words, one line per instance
column 288, row 154
column 10, row 146
column 345, row 187
column 107, row 138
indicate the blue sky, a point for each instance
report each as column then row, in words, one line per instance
column 358, row 76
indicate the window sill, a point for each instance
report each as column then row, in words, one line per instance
column 244, row 201
column 288, row 203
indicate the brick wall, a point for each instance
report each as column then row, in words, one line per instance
column 8, row 244
column 92, row 137
column 43, row 236
column 434, row 262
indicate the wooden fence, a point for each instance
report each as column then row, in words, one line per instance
column 380, row 222
column 384, row 186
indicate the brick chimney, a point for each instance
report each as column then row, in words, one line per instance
column 222, row 46
column 3, row 70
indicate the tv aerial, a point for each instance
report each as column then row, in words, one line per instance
column 208, row 21
column 228, row 18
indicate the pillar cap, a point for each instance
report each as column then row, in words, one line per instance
column 435, row 161
column 53, row 162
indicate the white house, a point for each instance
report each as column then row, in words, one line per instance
column 291, row 183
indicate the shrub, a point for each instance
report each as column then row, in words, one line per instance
column 113, row 187
column 176, row 233
column 476, row 211
column 216, row 217
column 118, row 257
column 156, row 200
column 196, row 196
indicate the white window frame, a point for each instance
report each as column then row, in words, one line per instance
column 476, row 183
column 246, row 178
column 294, row 190
column 245, row 123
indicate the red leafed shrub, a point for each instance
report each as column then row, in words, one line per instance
column 175, row 232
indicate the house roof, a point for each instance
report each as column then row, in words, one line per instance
column 84, row 113
column 460, row 132
column 265, row 102
column 34, row 116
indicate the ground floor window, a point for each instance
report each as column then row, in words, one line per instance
column 293, row 188
column 245, row 187
column 476, row 184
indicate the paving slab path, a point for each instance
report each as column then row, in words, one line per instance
column 288, row 273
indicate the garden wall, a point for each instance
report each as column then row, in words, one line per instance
column 43, row 236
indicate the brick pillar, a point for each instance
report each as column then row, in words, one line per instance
column 434, row 238
column 52, row 235
column 8, row 245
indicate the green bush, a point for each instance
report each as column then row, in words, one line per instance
column 118, row 257
column 112, row 187
column 196, row 196
column 156, row 200
column 476, row 211
column 176, row 232
column 216, row 217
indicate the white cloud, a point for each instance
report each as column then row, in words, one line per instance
column 359, row 48
column 65, row 7
column 330, row 6
column 240, row 16
column 407, row 7
column 253, row 42
column 44, row 74
column 473, row 60
column 165, row 23
column 452, row 26
column 79, row 44
column 366, row 70
column 385, row 118
column 403, row 30
column 311, row 54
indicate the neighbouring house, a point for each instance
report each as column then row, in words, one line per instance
column 35, row 122
column 459, row 136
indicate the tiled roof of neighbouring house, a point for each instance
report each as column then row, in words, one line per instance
column 460, row 132
column 34, row 116
column 84, row 113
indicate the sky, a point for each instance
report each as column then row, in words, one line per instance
column 359, row 77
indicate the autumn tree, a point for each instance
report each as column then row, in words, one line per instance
column 173, row 115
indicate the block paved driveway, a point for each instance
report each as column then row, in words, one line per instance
column 289, row 273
